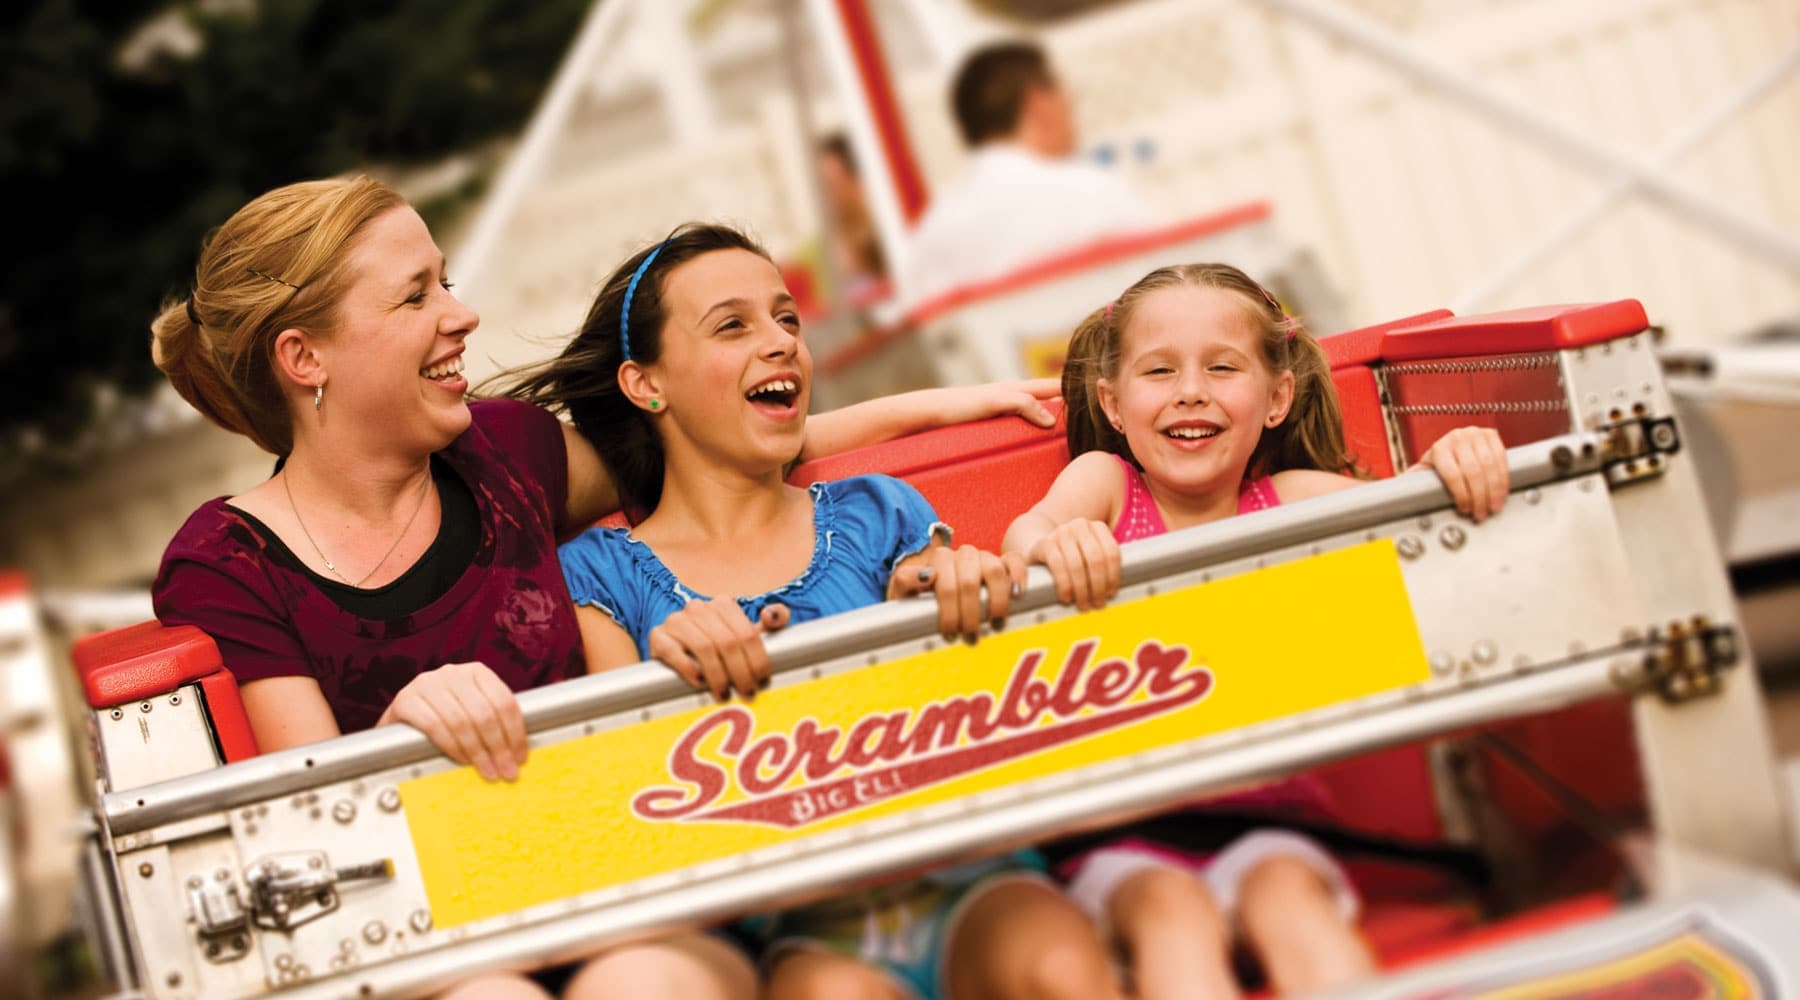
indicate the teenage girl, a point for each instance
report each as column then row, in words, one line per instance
column 1191, row 398
column 692, row 378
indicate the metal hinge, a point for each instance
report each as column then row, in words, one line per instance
column 1634, row 448
column 1684, row 661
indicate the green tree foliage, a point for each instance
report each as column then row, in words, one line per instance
column 113, row 175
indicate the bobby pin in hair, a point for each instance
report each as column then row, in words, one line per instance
column 193, row 314
column 270, row 277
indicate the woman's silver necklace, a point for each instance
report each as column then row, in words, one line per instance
column 423, row 493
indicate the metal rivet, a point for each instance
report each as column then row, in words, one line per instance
column 195, row 882
column 118, row 713
column 146, row 870
column 222, row 874
column 145, row 707
column 1425, row 523
column 1534, row 495
column 1485, row 652
column 420, row 920
column 1452, row 537
column 374, row 932
column 347, row 945
column 344, row 811
column 1442, row 663
column 388, row 800
column 1409, row 547
column 284, row 961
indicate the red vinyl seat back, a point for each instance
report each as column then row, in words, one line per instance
column 977, row 476
column 130, row 664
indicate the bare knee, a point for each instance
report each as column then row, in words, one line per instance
column 1069, row 969
column 1026, row 940
column 1284, row 881
column 820, row 976
column 1164, row 899
column 1294, row 922
column 496, row 987
column 689, row 966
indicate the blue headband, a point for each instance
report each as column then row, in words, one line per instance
column 631, row 293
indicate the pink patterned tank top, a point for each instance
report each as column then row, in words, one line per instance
column 1303, row 794
column 1139, row 518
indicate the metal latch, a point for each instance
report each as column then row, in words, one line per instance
column 290, row 889
column 1685, row 660
column 1635, row 446
column 219, row 916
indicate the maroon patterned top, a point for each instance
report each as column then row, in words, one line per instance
column 509, row 609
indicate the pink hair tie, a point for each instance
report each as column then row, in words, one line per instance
column 1293, row 329
column 1109, row 309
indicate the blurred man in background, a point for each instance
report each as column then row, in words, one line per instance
column 1024, row 195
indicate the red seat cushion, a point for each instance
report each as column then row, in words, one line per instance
column 978, row 476
column 137, row 661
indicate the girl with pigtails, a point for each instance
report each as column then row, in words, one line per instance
column 1194, row 397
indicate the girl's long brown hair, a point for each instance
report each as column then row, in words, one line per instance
column 584, row 379
column 1311, row 436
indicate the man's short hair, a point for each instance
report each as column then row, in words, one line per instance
column 989, row 94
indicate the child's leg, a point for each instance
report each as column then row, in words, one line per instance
column 500, row 986
column 1299, row 925
column 1021, row 938
column 679, row 967
column 1175, row 937
column 815, row 974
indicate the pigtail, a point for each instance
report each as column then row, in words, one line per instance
column 1092, row 348
column 1312, row 435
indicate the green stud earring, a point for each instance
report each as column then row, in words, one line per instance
column 656, row 404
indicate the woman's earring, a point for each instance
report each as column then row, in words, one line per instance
column 318, row 397
column 655, row 404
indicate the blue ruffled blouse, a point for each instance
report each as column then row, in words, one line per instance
column 862, row 527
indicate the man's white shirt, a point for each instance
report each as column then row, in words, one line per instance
column 1012, row 207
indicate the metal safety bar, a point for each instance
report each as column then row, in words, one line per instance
column 298, row 769
column 257, row 851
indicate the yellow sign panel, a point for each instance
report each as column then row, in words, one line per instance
column 714, row 782
column 1686, row 967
